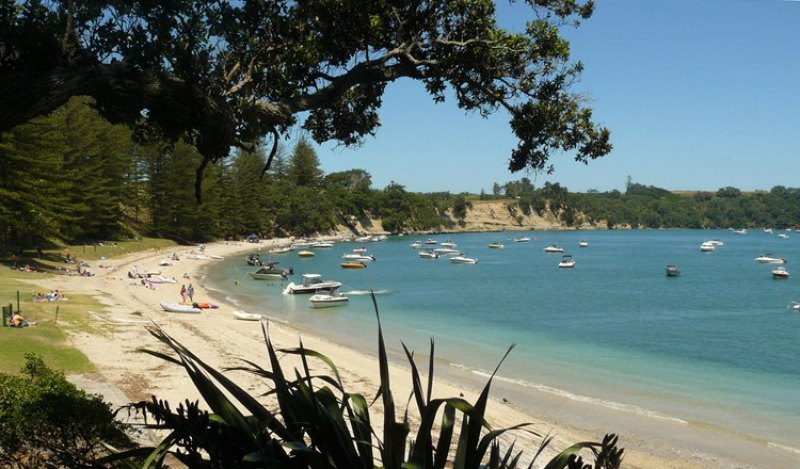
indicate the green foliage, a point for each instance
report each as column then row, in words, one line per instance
column 313, row 421
column 45, row 421
column 225, row 74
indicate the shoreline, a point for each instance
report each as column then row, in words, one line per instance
column 138, row 374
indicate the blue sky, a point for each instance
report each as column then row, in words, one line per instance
column 698, row 94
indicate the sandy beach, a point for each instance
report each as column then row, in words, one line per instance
column 222, row 341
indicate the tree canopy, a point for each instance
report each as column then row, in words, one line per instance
column 223, row 74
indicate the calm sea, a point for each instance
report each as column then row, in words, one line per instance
column 718, row 345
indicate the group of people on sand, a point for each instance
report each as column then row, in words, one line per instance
column 23, row 268
column 187, row 292
column 53, row 295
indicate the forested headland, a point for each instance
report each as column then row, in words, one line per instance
column 72, row 177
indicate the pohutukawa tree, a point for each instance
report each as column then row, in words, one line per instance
column 223, row 74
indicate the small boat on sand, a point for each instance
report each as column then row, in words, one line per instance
column 178, row 308
column 160, row 279
column 243, row 316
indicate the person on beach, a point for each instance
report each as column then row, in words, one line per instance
column 190, row 292
column 17, row 320
column 183, row 293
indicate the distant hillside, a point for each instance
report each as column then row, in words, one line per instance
column 492, row 215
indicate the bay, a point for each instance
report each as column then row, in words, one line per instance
column 717, row 345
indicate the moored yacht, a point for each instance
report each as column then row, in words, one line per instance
column 463, row 259
column 780, row 272
column 428, row 254
column 327, row 299
column 311, row 283
column 567, row 262
column 770, row 259
column 554, row 248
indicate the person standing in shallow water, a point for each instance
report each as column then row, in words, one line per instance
column 190, row 292
column 183, row 293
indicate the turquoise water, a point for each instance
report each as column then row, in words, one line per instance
column 716, row 345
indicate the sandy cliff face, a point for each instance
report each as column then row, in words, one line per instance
column 492, row 215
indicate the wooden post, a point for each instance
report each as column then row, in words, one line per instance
column 57, row 314
column 18, row 301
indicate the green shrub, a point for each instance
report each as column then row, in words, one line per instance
column 45, row 421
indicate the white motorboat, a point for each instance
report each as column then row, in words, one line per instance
column 305, row 253
column 768, row 230
column 554, row 248
column 281, row 250
column 416, row 244
column 358, row 257
column 428, row 254
column 780, row 272
column 567, row 262
column 446, row 251
column 360, row 250
column 311, row 283
column 740, row 232
column 783, row 236
column 583, row 244
column 364, row 239
column 243, row 316
column 770, row 259
column 522, row 239
column 322, row 245
column 328, row 299
column 496, row 246
column 715, row 242
column 178, row 308
column 431, row 241
column 673, row 271
column 707, row 247
column 449, row 244
column 463, row 259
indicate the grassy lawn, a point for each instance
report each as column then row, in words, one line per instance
column 49, row 338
